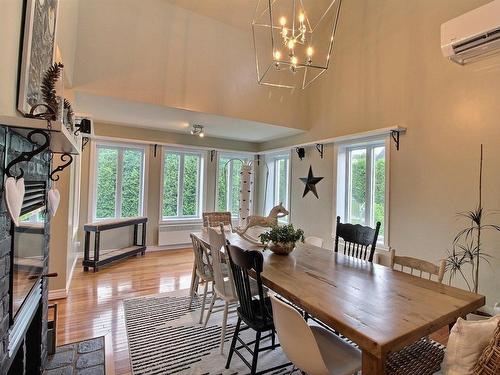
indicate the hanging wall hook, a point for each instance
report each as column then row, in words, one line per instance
column 154, row 150
column 28, row 155
column 319, row 147
column 60, row 168
column 395, row 138
column 85, row 140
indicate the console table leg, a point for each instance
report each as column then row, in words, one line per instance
column 136, row 227
column 143, row 237
column 97, row 245
column 86, row 249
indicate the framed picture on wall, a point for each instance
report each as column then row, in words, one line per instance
column 39, row 44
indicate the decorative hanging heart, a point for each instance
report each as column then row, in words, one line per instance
column 54, row 197
column 14, row 195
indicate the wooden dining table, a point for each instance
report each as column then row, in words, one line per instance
column 380, row 309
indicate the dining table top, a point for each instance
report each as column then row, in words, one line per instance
column 380, row 309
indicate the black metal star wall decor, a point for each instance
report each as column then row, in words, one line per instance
column 310, row 181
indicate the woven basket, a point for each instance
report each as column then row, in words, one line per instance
column 489, row 362
column 423, row 358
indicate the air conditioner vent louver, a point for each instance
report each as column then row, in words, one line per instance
column 477, row 41
column 473, row 35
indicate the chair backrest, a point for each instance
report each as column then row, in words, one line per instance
column 243, row 261
column 315, row 241
column 217, row 244
column 202, row 259
column 296, row 338
column 359, row 241
column 213, row 219
column 422, row 268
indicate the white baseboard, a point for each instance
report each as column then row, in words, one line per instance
column 57, row 294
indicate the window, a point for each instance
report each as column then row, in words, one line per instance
column 182, row 184
column 361, row 184
column 228, row 182
column 278, row 183
column 119, row 181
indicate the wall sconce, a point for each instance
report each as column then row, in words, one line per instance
column 301, row 152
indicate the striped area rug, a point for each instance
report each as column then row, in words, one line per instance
column 165, row 338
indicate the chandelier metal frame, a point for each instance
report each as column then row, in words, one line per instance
column 304, row 29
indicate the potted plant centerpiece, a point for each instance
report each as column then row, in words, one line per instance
column 282, row 239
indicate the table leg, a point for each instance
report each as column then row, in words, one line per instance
column 372, row 365
column 86, row 250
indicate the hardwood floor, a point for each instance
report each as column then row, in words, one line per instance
column 94, row 304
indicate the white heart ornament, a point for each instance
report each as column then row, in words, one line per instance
column 14, row 196
column 54, row 197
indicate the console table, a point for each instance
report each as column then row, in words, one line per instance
column 103, row 257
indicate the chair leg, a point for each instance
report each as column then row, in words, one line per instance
column 194, row 285
column 214, row 297
column 203, row 302
column 224, row 324
column 233, row 342
column 273, row 338
column 255, row 354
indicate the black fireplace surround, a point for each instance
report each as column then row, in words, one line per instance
column 23, row 289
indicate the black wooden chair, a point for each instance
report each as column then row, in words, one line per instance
column 359, row 241
column 256, row 313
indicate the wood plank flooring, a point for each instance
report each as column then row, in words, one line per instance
column 94, row 304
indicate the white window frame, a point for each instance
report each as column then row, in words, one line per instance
column 343, row 181
column 271, row 198
column 245, row 158
column 93, row 177
column 200, row 188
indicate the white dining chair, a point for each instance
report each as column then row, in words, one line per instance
column 314, row 241
column 313, row 349
column 223, row 281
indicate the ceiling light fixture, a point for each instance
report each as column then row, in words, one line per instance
column 198, row 130
column 286, row 53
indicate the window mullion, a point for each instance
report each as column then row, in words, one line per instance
column 180, row 186
column 119, row 177
column 369, row 186
column 229, row 184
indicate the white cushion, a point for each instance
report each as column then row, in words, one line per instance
column 466, row 343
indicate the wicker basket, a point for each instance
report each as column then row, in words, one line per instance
column 282, row 248
column 489, row 362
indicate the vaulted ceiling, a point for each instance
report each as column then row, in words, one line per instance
column 194, row 56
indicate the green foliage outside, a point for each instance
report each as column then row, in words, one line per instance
column 189, row 203
column 171, row 188
column 107, row 160
column 358, row 181
column 282, row 188
column 131, row 183
column 233, row 168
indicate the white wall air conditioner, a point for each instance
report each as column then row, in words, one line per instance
column 473, row 35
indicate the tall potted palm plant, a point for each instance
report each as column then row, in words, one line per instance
column 467, row 250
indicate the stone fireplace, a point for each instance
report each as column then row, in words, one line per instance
column 23, row 286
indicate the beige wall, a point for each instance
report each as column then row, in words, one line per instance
column 162, row 54
column 388, row 70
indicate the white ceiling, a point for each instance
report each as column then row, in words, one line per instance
column 143, row 115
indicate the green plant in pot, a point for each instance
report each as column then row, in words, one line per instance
column 282, row 239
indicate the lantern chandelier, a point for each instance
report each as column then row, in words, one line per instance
column 293, row 40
